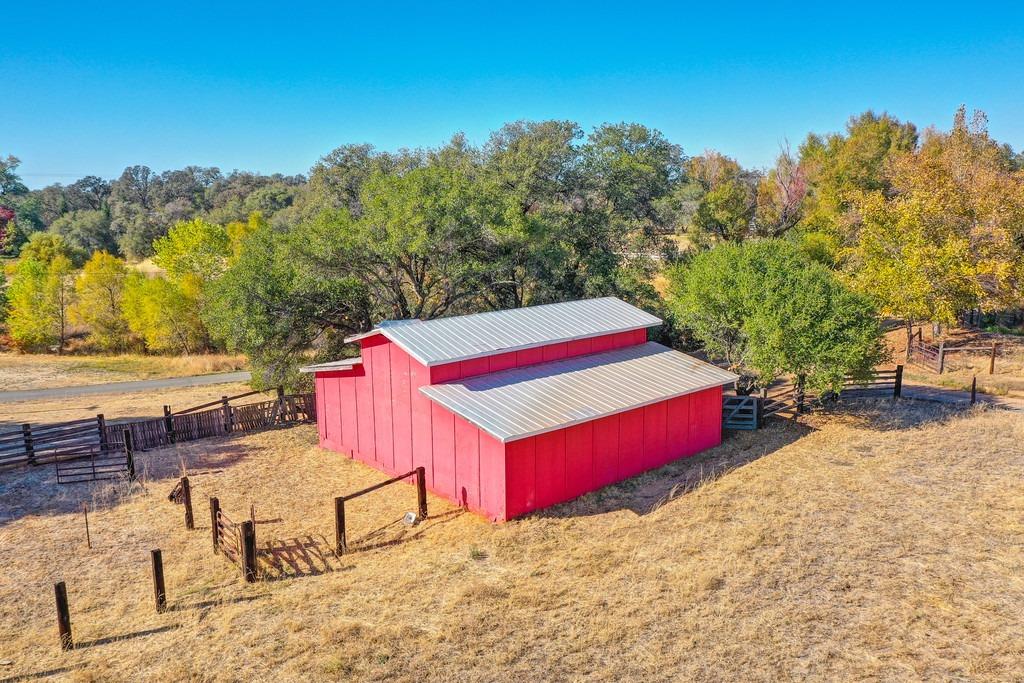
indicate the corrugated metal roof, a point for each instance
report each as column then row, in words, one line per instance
column 521, row 402
column 445, row 340
column 344, row 364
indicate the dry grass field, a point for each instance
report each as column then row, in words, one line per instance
column 115, row 406
column 46, row 371
column 883, row 544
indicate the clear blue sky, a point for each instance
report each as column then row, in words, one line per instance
column 93, row 87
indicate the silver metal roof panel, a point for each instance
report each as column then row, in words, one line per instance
column 521, row 402
column 445, row 340
column 344, row 364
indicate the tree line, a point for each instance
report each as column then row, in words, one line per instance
column 879, row 218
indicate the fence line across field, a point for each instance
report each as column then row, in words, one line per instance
column 41, row 444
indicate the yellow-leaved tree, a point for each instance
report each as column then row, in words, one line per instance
column 99, row 306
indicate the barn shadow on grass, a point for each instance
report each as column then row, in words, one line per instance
column 647, row 492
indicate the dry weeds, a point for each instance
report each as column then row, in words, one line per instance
column 887, row 544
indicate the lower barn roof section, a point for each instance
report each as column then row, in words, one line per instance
column 522, row 402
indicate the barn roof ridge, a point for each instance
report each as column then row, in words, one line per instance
column 530, row 400
column 476, row 335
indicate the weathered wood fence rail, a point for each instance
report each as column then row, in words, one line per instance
column 41, row 444
column 790, row 400
column 933, row 356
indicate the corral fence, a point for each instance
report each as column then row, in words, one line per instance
column 340, row 530
column 934, row 356
column 236, row 541
column 31, row 444
column 745, row 412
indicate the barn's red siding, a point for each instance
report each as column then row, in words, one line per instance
column 376, row 413
column 558, row 466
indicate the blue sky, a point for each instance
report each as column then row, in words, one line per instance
column 93, row 87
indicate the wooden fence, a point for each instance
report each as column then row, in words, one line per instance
column 933, row 356
column 40, row 444
column 790, row 400
column 236, row 541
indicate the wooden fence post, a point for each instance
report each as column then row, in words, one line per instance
column 26, row 435
column 248, row 550
column 340, row 541
column 421, row 491
column 214, row 513
column 992, row 360
column 60, row 592
column 186, row 498
column 129, row 452
column 169, row 424
column 101, row 425
column 759, row 411
column 942, row 356
column 159, row 593
column 897, row 389
column 974, row 390
column 227, row 414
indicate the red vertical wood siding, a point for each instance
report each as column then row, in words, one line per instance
column 422, row 433
column 520, row 477
column 656, row 451
column 467, row 464
column 383, row 426
column 606, row 451
column 401, row 414
column 579, row 459
column 492, row 477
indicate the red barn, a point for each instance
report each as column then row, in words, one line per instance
column 513, row 411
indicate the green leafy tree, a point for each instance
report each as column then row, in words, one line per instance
column 768, row 310
column 274, row 306
column 99, row 305
column 40, row 297
column 45, row 247
column 196, row 248
column 164, row 313
column 841, row 167
column 88, row 230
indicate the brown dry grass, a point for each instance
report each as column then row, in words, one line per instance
column 46, row 371
column 887, row 544
column 133, row 404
